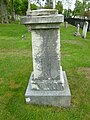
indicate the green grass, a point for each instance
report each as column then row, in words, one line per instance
column 16, row 66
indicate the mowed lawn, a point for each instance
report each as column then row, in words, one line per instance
column 16, row 66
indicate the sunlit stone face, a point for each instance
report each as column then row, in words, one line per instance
column 46, row 54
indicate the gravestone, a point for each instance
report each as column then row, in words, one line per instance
column 77, row 33
column 48, row 82
column 85, row 27
column 65, row 24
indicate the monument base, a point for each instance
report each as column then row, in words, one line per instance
column 76, row 34
column 53, row 98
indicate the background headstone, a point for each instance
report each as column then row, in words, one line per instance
column 84, row 32
column 77, row 33
column 66, row 24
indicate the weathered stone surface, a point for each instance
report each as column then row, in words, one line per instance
column 42, row 12
column 66, row 24
column 47, row 16
column 77, row 33
column 47, row 84
column 85, row 27
column 46, row 54
column 54, row 98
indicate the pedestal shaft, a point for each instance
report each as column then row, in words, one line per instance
column 46, row 54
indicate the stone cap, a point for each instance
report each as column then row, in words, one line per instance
column 42, row 12
column 42, row 19
column 42, row 16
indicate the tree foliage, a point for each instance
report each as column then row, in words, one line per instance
column 33, row 7
column 24, row 6
column 88, row 6
column 68, row 13
column 59, row 7
column 17, row 6
column 20, row 6
column 79, row 8
column 87, row 14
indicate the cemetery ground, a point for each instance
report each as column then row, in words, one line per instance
column 16, row 67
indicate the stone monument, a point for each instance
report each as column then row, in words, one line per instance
column 85, row 27
column 48, row 82
column 66, row 24
column 77, row 33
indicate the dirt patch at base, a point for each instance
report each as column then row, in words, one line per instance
column 1, row 81
column 85, row 71
column 13, row 85
column 5, row 98
column 74, row 42
column 13, row 52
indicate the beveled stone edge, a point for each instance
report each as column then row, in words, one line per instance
column 27, row 20
column 65, row 92
column 50, row 98
column 42, row 12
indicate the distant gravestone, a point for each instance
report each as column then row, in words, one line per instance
column 77, row 33
column 48, row 83
column 66, row 24
column 85, row 27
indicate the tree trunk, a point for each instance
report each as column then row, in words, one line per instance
column 13, row 11
column 4, row 11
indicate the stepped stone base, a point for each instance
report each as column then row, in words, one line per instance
column 53, row 98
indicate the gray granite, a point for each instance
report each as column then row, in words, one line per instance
column 42, row 12
column 54, row 98
column 66, row 24
column 47, row 16
column 48, row 84
column 85, row 27
column 46, row 53
column 42, row 19
column 77, row 33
